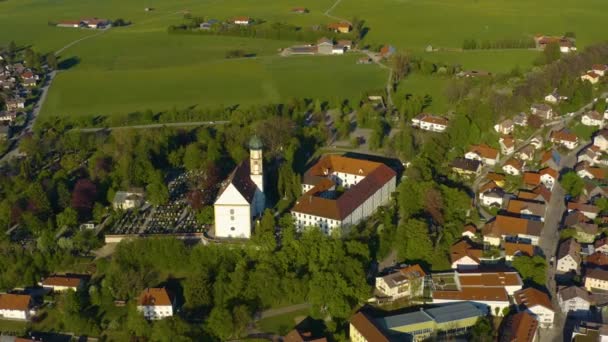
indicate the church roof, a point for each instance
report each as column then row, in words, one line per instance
column 255, row 143
column 241, row 180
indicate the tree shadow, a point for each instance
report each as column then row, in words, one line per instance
column 69, row 63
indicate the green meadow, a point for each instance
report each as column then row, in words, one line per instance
column 143, row 67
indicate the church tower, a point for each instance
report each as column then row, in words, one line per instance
column 256, row 162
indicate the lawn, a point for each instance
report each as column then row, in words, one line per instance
column 416, row 24
column 143, row 67
column 283, row 323
column 9, row 326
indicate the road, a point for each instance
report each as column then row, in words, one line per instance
column 159, row 125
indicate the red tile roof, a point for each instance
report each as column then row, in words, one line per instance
column 153, row 297
column 58, row 280
column 520, row 327
column 484, row 151
column 464, row 248
column 367, row 329
column 531, row 297
column 15, row 302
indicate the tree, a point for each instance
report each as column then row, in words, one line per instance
column 220, row 323
column 552, row 52
column 68, row 218
column 193, row 157
column 156, row 190
column 482, row 331
column 413, row 240
column 51, row 61
column 572, row 183
column 400, row 63
column 197, row 290
column 265, row 230
column 83, row 196
column 532, row 269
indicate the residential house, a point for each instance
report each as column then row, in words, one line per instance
column 15, row 103
column 59, row 283
column 451, row 320
column 497, row 178
column 407, row 282
column 596, row 279
column 538, row 304
column 466, row 167
column 7, row 116
column 596, row 260
column 325, row 46
column 387, row 50
column 338, row 49
column 588, row 331
column 568, row 256
column 526, row 153
column 347, row 44
column 487, row 290
column 70, row 23
column 589, row 210
column 600, row 139
column 241, row 197
column 429, row 122
column 542, row 110
column 95, row 23
column 585, row 170
column 513, row 249
column 554, row 97
column 155, row 303
column 601, row 245
column 341, row 27
column 513, row 167
column 484, row 153
column 507, row 144
column 469, row 231
column 566, row 44
column 520, row 327
column 590, row 77
column 244, row 21
column 465, row 255
column 490, row 194
column 531, row 179
column 368, row 185
column 574, row 301
column 521, row 120
column 548, row 176
column 551, row 158
column 537, row 142
column 600, row 69
column 30, row 82
column 503, row 227
column 527, row 209
column 593, row 118
column 505, row 127
column 592, row 155
column 565, row 138
column 125, row 200
column 539, row 194
column 300, row 10
column 16, row 306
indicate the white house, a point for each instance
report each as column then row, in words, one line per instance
column 591, row 77
column 125, row 200
column 405, row 282
column 542, row 110
column 568, row 256
column 584, row 170
column 596, row 279
column 242, row 21
column 465, row 256
column 483, row 153
column 513, row 167
column 565, row 138
column 601, row 245
column 430, row 122
column 600, row 69
column 593, row 118
column 367, row 185
column 504, row 227
column 554, row 97
column 538, row 304
column 574, row 301
column 548, row 177
column 601, row 140
column 505, row 127
column 241, row 197
column 589, row 210
column 492, row 197
column 59, row 283
column 537, row 142
column 507, row 144
column 16, row 306
column 155, row 303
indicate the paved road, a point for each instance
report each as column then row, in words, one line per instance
column 159, row 125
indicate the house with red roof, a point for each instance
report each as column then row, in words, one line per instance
column 16, row 306
column 536, row 303
column 340, row 192
column 591, row 77
column 155, row 303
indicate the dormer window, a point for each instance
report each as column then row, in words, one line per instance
column 360, row 171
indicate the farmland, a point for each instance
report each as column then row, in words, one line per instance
column 143, row 67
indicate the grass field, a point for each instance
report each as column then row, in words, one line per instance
column 143, row 67
column 283, row 323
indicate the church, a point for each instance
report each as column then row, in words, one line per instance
column 241, row 197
